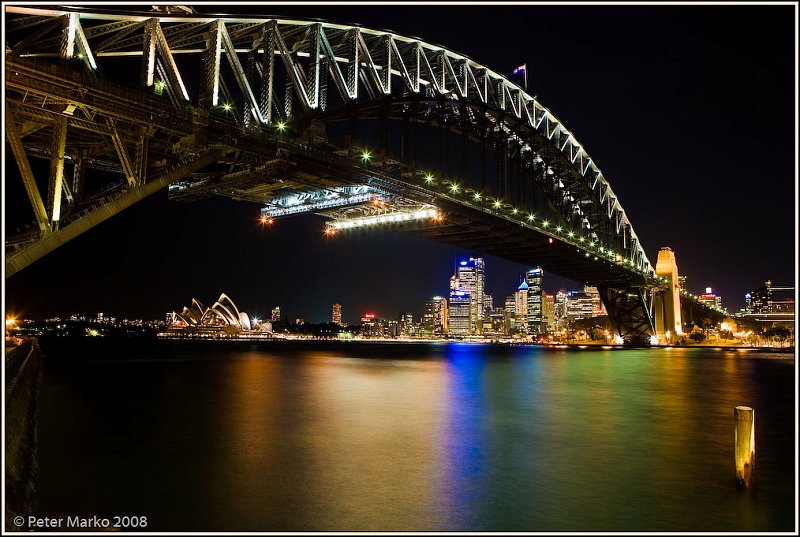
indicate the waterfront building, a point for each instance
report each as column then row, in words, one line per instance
column 471, row 280
column 549, row 312
column 276, row 314
column 509, row 313
column 459, row 314
column 434, row 318
column 533, row 323
column 406, row 324
column 580, row 305
column 171, row 317
column 597, row 303
column 223, row 319
column 488, row 303
column 772, row 299
column 336, row 314
column 521, row 308
column 562, row 299
column 372, row 326
column 710, row 299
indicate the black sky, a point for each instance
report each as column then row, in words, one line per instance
column 688, row 111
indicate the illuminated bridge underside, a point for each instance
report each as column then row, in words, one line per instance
column 103, row 109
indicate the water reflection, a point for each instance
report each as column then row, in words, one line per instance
column 415, row 438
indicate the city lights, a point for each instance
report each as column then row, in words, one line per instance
column 329, row 231
column 266, row 220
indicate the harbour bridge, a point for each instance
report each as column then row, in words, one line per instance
column 361, row 126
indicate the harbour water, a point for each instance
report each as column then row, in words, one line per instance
column 227, row 436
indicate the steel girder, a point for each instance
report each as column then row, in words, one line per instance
column 630, row 311
column 363, row 64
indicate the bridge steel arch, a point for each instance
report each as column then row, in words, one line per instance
column 241, row 106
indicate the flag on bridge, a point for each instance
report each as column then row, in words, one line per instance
column 523, row 69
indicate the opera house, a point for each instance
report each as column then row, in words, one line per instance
column 223, row 319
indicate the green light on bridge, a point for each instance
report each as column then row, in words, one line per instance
column 477, row 196
column 227, row 107
column 454, row 188
column 366, row 156
column 428, row 178
column 281, row 126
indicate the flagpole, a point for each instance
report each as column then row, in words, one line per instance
column 526, row 78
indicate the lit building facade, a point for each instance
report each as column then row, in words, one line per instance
column 534, row 319
column 459, row 314
column 276, row 314
column 521, row 308
column 509, row 313
column 710, row 299
column 471, row 280
column 772, row 299
column 336, row 314
column 372, row 326
column 548, row 312
column 435, row 316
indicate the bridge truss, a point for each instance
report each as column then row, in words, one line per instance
column 358, row 125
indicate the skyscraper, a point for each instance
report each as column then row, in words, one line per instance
column 276, row 314
column 534, row 321
column 435, row 316
column 459, row 313
column 548, row 312
column 471, row 280
column 521, row 307
column 336, row 314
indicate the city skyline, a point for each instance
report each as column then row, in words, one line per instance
column 671, row 94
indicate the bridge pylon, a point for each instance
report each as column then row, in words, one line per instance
column 668, row 302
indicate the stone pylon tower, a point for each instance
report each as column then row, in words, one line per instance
column 668, row 302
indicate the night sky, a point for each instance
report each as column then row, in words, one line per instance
column 688, row 111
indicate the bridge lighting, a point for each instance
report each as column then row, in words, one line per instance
column 558, row 229
column 80, row 55
column 545, row 223
column 531, row 217
column 160, row 86
column 329, row 231
column 454, row 188
column 581, row 239
column 266, row 220
column 10, row 321
column 570, row 234
column 281, row 126
column 366, row 156
column 515, row 210
column 497, row 204
column 428, row 178
column 387, row 218
column 227, row 107
column 549, row 240
column 477, row 196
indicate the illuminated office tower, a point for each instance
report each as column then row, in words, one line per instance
column 458, row 314
column 510, row 313
column 521, row 307
column 548, row 312
column 534, row 321
column 471, row 280
column 562, row 298
column 435, row 316
column 276, row 314
column 336, row 314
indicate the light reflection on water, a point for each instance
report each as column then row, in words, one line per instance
column 413, row 437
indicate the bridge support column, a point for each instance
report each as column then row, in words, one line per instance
column 668, row 319
column 631, row 314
